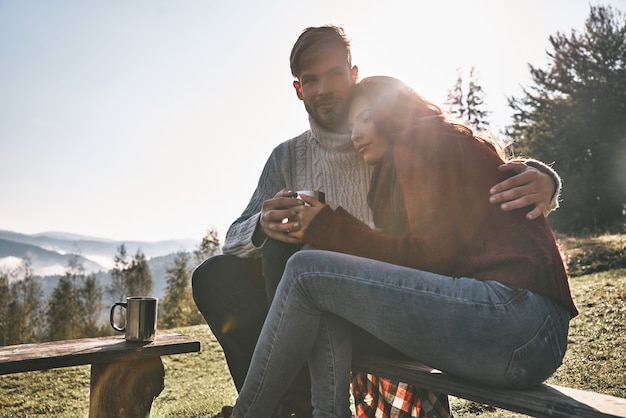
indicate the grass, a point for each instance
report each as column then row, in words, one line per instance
column 198, row 384
column 592, row 254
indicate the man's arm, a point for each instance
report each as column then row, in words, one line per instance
column 534, row 183
column 239, row 237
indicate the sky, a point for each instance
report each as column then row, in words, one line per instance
column 152, row 120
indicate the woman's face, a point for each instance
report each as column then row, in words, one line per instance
column 365, row 136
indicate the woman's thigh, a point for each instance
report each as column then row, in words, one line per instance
column 482, row 330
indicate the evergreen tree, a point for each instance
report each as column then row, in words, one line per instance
column 178, row 307
column 129, row 277
column 75, row 304
column 455, row 100
column 5, row 300
column 90, row 295
column 209, row 246
column 468, row 107
column 574, row 114
column 117, row 289
column 475, row 115
column 25, row 311
column 138, row 276
column 64, row 312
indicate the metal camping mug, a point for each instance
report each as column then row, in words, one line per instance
column 314, row 193
column 141, row 318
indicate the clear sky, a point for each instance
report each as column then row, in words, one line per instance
column 151, row 120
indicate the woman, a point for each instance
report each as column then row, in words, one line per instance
column 447, row 279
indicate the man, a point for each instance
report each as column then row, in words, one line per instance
column 229, row 289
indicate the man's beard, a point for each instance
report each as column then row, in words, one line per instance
column 334, row 120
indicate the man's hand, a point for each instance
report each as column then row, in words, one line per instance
column 529, row 186
column 278, row 217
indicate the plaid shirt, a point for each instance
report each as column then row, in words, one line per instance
column 375, row 397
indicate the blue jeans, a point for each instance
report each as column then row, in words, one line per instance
column 483, row 331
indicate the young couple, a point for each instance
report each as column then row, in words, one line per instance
column 446, row 277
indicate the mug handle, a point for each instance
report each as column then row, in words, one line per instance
column 112, row 316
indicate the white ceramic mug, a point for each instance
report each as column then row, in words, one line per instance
column 313, row 193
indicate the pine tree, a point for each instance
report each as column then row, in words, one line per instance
column 5, row 300
column 476, row 116
column 574, row 114
column 117, row 289
column 64, row 312
column 455, row 100
column 25, row 312
column 178, row 307
column 138, row 276
column 129, row 277
column 468, row 107
column 209, row 246
column 74, row 305
column 90, row 296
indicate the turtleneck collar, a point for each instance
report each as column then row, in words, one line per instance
column 328, row 139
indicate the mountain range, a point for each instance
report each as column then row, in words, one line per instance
column 50, row 252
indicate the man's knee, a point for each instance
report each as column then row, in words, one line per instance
column 223, row 279
column 202, row 274
column 201, row 280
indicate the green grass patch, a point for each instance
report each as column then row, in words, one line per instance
column 586, row 255
column 198, row 384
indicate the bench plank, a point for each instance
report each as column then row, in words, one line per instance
column 541, row 401
column 55, row 354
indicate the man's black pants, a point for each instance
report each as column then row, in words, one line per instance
column 233, row 295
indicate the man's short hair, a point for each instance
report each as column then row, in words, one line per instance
column 331, row 36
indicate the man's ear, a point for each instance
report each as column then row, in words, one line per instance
column 355, row 73
column 298, row 87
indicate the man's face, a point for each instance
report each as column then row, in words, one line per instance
column 323, row 86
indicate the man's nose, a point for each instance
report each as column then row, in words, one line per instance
column 325, row 86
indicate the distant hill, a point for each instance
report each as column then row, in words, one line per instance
column 43, row 262
column 49, row 251
column 157, row 266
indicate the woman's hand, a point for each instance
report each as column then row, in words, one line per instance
column 304, row 215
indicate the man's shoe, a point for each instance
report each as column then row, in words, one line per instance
column 226, row 412
column 295, row 409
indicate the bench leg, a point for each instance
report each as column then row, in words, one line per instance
column 125, row 388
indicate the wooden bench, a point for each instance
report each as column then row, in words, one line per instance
column 541, row 401
column 125, row 377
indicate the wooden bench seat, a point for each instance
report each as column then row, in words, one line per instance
column 541, row 401
column 125, row 377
